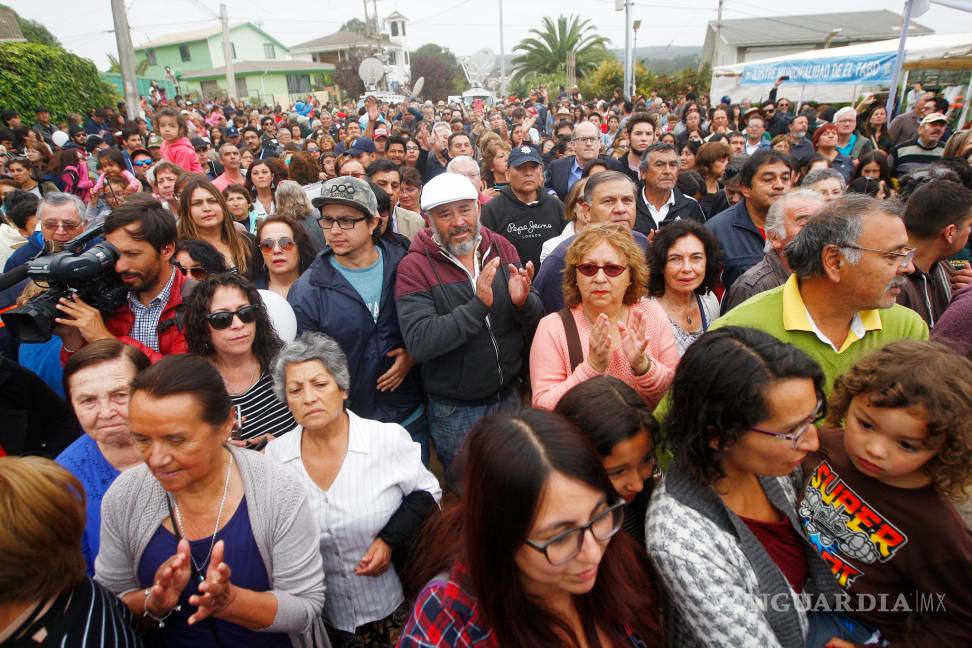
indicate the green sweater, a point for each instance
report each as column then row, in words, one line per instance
column 765, row 312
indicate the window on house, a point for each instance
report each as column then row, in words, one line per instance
column 394, row 27
column 150, row 55
column 268, row 51
column 298, row 83
column 392, row 57
column 184, row 53
column 241, row 89
column 233, row 50
column 210, row 89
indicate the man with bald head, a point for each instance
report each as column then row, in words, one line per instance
column 563, row 173
column 784, row 220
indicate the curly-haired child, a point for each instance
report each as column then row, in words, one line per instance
column 877, row 504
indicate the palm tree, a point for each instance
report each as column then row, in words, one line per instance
column 546, row 51
column 114, row 66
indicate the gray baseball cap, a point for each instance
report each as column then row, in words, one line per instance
column 349, row 191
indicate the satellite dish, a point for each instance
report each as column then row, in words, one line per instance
column 417, row 89
column 371, row 70
column 480, row 65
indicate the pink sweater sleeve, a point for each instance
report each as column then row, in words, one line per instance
column 550, row 375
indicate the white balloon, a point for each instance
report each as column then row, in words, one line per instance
column 281, row 315
column 59, row 138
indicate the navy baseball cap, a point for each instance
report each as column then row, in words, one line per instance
column 232, row 131
column 522, row 154
column 361, row 145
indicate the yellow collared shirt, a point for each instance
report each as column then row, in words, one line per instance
column 796, row 317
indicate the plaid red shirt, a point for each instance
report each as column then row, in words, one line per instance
column 445, row 614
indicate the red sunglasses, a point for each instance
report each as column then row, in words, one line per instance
column 591, row 269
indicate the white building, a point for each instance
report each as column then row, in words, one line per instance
column 390, row 46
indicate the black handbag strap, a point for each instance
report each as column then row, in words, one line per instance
column 574, row 349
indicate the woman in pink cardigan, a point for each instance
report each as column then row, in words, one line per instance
column 607, row 327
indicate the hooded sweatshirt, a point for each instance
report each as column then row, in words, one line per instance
column 181, row 152
column 468, row 351
column 524, row 225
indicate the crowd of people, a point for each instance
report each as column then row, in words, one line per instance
column 550, row 371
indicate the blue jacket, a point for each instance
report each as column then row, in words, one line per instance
column 323, row 300
column 741, row 241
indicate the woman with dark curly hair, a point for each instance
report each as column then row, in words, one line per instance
column 901, row 445
column 227, row 323
column 722, row 526
column 685, row 262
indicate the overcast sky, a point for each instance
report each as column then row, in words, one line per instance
column 461, row 25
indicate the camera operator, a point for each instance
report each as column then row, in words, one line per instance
column 144, row 233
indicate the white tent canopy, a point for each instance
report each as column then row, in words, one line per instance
column 834, row 75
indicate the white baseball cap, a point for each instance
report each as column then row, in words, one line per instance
column 446, row 188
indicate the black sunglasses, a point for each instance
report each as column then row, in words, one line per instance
column 223, row 319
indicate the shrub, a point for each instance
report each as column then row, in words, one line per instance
column 32, row 74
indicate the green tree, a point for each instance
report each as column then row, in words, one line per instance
column 440, row 68
column 546, row 51
column 354, row 25
column 33, row 31
column 32, row 75
column 114, row 66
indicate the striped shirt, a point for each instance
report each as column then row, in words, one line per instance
column 912, row 156
column 381, row 467
column 262, row 412
column 85, row 615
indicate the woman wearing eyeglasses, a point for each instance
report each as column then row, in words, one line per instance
column 227, row 323
column 286, row 253
column 207, row 218
column 722, row 527
column 606, row 327
column 531, row 555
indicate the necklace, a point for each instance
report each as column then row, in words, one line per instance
column 219, row 516
column 250, row 381
column 687, row 312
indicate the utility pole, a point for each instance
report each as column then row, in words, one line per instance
column 628, row 52
column 367, row 20
column 715, row 43
column 502, row 54
column 227, row 53
column 126, row 57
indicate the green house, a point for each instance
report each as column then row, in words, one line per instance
column 264, row 69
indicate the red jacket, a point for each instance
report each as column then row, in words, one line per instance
column 172, row 339
column 182, row 153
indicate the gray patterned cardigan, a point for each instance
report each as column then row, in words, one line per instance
column 718, row 576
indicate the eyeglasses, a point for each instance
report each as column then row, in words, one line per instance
column 797, row 433
column 564, row 546
column 53, row 225
column 284, row 242
column 902, row 258
column 344, row 222
column 196, row 272
column 591, row 269
column 585, row 140
column 142, row 163
column 223, row 319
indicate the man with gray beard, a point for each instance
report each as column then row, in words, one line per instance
column 801, row 149
column 850, row 263
column 465, row 306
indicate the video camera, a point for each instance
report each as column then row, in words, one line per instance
column 90, row 274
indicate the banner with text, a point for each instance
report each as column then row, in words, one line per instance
column 863, row 70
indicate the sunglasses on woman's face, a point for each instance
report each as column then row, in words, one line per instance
column 196, row 272
column 591, row 269
column 223, row 319
column 285, row 242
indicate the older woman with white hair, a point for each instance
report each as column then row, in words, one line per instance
column 368, row 489
column 849, row 141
